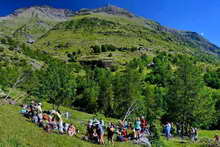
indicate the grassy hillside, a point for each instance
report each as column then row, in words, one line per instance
column 17, row 131
column 84, row 31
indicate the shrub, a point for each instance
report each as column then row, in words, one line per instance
column 96, row 49
column 110, row 55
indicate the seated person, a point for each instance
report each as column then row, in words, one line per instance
column 66, row 127
column 217, row 138
column 35, row 119
column 124, row 132
column 121, row 138
column 71, row 130
column 130, row 133
column 53, row 124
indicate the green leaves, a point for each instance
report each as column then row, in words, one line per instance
column 57, row 84
column 188, row 102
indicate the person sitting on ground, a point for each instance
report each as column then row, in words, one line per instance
column 71, row 130
column 53, row 123
column 137, row 128
column 130, row 133
column 58, row 118
column 46, row 126
column 35, row 117
column 95, row 137
column 217, row 138
column 122, row 136
column 66, row 127
column 47, row 117
column 124, row 132
column 110, row 131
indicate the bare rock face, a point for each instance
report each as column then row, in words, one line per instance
column 33, row 22
column 110, row 9
column 43, row 12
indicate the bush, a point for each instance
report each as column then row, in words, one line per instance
column 72, row 57
column 110, row 55
column 96, row 49
column 3, row 41
column 1, row 49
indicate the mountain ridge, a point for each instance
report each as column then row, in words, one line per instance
column 33, row 22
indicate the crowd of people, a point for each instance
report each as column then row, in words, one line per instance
column 138, row 131
column 169, row 131
column 49, row 120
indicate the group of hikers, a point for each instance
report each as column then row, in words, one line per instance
column 51, row 121
column 138, row 131
column 169, row 130
column 122, row 131
column 48, row 120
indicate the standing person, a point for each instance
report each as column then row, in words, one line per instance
column 167, row 130
column 100, row 133
column 143, row 124
column 32, row 109
column 111, row 130
column 90, row 129
column 39, row 112
column 192, row 134
column 137, row 128
column 196, row 134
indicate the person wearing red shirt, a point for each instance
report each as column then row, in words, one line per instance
column 143, row 124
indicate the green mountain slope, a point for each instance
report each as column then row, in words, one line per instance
column 61, row 31
column 86, row 30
